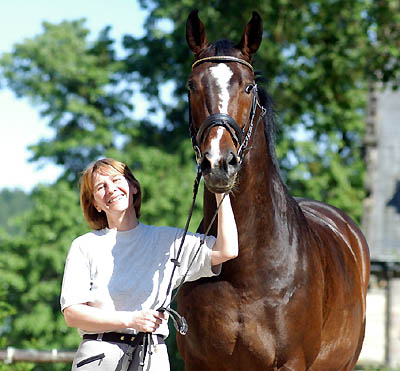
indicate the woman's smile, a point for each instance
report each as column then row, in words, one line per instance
column 115, row 198
column 112, row 192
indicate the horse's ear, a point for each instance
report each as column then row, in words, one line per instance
column 252, row 35
column 195, row 34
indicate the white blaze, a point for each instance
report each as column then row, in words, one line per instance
column 214, row 146
column 222, row 74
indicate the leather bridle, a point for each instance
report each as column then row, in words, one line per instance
column 240, row 136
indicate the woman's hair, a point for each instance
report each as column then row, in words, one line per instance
column 98, row 220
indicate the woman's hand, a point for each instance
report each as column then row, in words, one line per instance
column 93, row 319
column 146, row 320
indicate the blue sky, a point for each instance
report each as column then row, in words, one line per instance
column 20, row 124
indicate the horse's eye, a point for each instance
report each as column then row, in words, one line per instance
column 190, row 85
column 249, row 88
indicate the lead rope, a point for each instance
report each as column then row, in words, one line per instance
column 179, row 321
column 147, row 345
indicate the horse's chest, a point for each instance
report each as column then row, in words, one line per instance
column 222, row 322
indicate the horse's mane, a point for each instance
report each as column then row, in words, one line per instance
column 283, row 198
column 270, row 124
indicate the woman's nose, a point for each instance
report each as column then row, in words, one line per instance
column 111, row 187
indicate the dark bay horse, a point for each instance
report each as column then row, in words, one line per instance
column 294, row 298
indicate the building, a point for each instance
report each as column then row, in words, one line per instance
column 381, row 225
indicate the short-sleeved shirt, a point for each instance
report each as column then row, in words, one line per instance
column 131, row 270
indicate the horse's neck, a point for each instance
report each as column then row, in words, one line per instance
column 261, row 187
column 261, row 201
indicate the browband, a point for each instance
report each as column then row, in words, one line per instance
column 222, row 58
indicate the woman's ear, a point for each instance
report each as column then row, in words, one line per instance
column 134, row 189
column 97, row 208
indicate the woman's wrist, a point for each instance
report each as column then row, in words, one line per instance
column 220, row 196
column 127, row 319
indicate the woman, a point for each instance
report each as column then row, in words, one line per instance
column 116, row 276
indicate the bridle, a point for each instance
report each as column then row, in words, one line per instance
column 240, row 136
column 241, row 141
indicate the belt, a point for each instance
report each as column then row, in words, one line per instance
column 118, row 337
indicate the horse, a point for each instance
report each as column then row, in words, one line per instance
column 295, row 297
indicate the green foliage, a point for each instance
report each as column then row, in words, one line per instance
column 12, row 203
column 31, row 271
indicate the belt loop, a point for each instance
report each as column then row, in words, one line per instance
column 100, row 337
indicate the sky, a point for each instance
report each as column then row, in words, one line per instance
column 20, row 124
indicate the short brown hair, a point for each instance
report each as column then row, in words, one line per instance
column 98, row 220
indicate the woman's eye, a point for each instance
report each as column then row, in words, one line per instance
column 249, row 88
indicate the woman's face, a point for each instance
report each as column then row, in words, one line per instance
column 112, row 192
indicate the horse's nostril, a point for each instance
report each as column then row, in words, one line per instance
column 205, row 164
column 232, row 159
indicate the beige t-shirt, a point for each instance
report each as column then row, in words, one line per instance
column 131, row 270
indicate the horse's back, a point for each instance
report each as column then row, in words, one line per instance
column 345, row 256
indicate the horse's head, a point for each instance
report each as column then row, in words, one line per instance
column 223, row 100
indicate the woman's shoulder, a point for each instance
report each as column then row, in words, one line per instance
column 92, row 235
column 162, row 231
column 87, row 240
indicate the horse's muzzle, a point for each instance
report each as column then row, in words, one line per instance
column 219, row 162
column 220, row 173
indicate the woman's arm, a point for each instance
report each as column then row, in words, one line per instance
column 93, row 319
column 226, row 246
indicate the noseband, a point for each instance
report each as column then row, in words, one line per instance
column 240, row 140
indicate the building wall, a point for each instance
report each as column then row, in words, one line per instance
column 381, row 221
column 374, row 350
column 381, row 225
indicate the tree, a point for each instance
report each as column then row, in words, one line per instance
column 77, row 87
column 12, row 204
column 317, row 56
column 31, row 271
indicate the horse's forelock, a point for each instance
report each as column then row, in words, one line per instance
column 222, row 47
